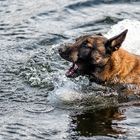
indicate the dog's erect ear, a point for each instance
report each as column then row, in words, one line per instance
column 115, row 42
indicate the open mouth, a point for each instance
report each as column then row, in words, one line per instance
column 73, row 71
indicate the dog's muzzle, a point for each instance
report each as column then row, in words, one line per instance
column 73, row 71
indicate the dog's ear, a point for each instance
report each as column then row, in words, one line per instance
column 115, row 42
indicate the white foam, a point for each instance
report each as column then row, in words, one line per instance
column 132, row 41
column 66, row 94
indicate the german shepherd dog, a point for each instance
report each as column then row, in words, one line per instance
column 102, row 60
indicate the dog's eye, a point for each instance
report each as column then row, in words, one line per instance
column 84, row 45
column 94, row 47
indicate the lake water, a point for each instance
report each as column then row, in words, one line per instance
column 37, row 101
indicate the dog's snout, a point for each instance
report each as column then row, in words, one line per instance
column 60, row 50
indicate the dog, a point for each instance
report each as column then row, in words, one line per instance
column 102, row 59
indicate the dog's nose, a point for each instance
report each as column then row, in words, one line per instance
column 60, row 50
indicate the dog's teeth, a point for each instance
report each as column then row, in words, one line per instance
column 75, row 67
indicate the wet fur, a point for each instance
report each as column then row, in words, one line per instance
column 122, row 67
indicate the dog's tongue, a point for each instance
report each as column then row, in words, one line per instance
column 72, row 70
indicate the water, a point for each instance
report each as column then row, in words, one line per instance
column 37, row 101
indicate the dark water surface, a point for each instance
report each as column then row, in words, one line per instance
column 37, row 101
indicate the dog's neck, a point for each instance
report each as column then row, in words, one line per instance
column 120, row 65
column 117, row 69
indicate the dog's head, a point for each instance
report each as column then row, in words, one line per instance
column 90, row 53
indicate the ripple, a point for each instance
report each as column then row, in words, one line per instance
column 13, row 129
column 91, row 3
column 6, row 108
column 40, row 108
column 96, row 25
column 55, row 39
column 88, row 3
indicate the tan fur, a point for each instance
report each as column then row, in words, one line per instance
column 122, row 67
